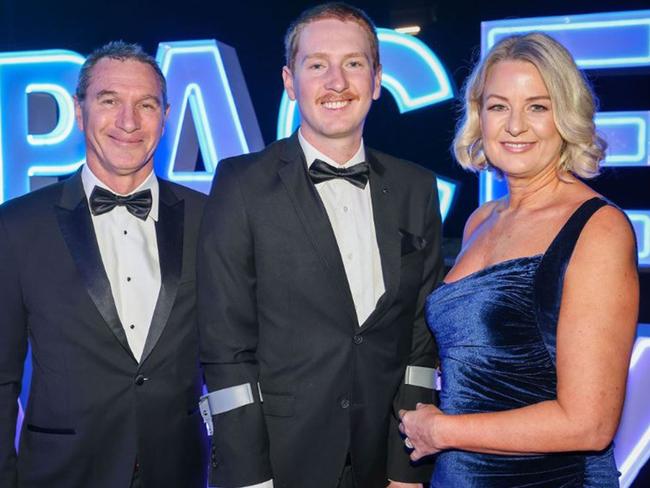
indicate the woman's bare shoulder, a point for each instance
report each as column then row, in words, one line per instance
column 479, row 216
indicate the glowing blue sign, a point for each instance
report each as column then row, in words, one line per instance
column 633, row 436
column 596, row 41
column 446, row 194
column 411, row 72
column 627, row 136
column 206, row 77
column 22, row 154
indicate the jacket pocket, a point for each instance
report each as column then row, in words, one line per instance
column 50, row 430
column 278, row 405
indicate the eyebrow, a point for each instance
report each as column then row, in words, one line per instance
column 529, row 99
column 321, row 55
column 105, row 93
column 109, row 93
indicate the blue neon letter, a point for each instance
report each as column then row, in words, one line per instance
column 206, row 77
column 23, row 155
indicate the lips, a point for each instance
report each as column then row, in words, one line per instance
column 335, row 105
column 517, row 147
column 125, row 141
column 338, row 101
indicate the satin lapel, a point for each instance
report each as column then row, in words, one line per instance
column 384, row 211
column 79, row 234
column 169, row 234
column 313, row 216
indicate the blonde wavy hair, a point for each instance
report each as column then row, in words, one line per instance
column 573, row 103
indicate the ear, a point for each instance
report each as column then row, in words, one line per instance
column 165, row 115
column 376, row 92
column 163, row 122
column 78, row 113
column 287, row 79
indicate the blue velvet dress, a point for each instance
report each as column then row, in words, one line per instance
column 496, row 333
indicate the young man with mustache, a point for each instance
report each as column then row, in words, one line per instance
column 315, row 257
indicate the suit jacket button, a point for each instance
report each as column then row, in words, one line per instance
column 139, row 380
column 358, row 339
column 345, row 403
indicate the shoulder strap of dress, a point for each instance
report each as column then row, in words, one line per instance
column 567, row 238
column 549, row 278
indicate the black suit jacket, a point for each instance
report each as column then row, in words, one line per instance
column 275, row 308
column 92, row 408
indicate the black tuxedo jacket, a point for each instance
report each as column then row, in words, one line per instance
column 92, row 408
column 275, row 308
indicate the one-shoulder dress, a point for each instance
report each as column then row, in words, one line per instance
column 496, row 333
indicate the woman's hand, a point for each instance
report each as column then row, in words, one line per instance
column 421, row 428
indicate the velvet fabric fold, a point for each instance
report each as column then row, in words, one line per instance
column 496, row 331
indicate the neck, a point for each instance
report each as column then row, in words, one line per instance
column 340, row 150
column 536, row 192
column 122, row 184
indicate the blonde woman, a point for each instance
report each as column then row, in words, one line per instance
column 535, row 321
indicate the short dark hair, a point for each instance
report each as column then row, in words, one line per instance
column 121, row 51
column 331, row 10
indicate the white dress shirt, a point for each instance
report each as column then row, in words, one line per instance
column 350, row 213
column 129, row 251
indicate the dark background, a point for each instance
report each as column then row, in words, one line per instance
column 256, row 29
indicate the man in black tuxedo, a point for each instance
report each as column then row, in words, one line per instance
column 98, row 274
column 315, row 259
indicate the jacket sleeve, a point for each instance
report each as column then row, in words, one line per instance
column 227, row 309
column 423, row 353
column 13, row 348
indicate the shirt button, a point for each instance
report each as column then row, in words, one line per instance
column 345, row 209
column 358, row 339
column 131, row 326
column 139, row 380
column 345, row 403
column 125, row 232
column 128, row 278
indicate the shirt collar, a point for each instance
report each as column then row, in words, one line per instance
column 311, row 154
column 90, row 181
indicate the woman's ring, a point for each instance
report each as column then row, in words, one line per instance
column 407, row 443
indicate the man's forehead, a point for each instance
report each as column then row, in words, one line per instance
column 111, row 75
column 323, row 35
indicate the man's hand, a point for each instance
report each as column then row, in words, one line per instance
column 399, row 484
column 419, row 428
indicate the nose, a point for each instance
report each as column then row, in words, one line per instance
column 128, row 119
column 336, row 79
column 516, row 123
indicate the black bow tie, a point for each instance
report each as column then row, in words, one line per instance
column 320, row 171
column 138, row 204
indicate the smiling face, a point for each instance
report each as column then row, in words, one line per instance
column 518, row 130
column 122, row 118
column 333, row 81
